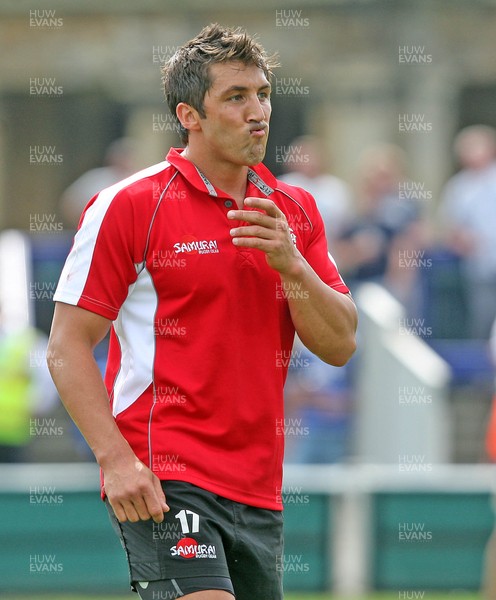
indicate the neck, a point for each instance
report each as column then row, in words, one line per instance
column 228, row 177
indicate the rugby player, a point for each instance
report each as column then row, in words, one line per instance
column 203, row 267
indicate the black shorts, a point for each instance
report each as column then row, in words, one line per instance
column 205, row 542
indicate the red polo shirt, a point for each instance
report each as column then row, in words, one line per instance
column 201, row 336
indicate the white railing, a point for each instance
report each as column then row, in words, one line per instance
column 401, row 404
column 351, row 488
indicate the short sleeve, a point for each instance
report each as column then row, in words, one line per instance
column 102, row 263
column 316, row 250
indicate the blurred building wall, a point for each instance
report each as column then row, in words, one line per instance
column 76, row 75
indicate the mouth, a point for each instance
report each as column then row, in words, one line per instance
column 258, row 130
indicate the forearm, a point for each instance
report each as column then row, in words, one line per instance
column 325, row 320
column 84, row 395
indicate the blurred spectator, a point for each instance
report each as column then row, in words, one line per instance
column 318, row 413
column 119, row 164
column 26, row 389
column 369, row 248
column 317, row 394
column 304, row 166
column 468, row 211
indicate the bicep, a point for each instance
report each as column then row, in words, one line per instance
column 72, row 324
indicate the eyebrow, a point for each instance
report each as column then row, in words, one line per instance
column 242, row 88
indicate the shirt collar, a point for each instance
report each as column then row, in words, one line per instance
column 258, row 175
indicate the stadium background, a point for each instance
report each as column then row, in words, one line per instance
column 76, row 76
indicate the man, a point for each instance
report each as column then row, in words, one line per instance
column 195, row 267
column 305, row 168
column 468, row 213
column 118, row 163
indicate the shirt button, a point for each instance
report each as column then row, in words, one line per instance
column 228, row 203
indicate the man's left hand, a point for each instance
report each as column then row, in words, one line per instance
column 267, row 231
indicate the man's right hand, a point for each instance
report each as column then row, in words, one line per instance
column 134, row 492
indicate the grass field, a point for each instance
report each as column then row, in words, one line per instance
column 375, row 596
column 135, row 597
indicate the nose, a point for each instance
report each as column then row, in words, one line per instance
column 256, row 110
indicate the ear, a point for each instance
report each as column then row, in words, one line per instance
column 188, row 116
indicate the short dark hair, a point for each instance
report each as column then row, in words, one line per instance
column 186, row 76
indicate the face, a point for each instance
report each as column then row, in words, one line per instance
column 237, row 109
column 476, row 150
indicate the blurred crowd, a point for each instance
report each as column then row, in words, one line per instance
column 436, row 256
column 391, row 230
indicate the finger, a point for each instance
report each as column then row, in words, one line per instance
column 119, row 511
column 258, row 218
column 265, row 204
column 130, row 513
column 160, row 494
column 155, row 502
column 252, row 216
column 254, row 231
column 272, row 219
column 267, row 246
column 140, row 505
